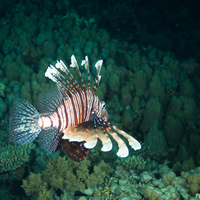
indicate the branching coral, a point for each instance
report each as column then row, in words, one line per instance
column 37, row 187
column 132, row 163
column 13, row 156
column 65, row 175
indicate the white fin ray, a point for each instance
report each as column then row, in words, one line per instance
column 88, row 133
column 132, row 141
column 106, row 141
column 123, row 149
column 86, row 63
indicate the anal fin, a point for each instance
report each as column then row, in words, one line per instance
column 74, row 150
column 49, row 139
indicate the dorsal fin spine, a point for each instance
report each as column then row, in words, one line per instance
column 59, row 79
column 86, row 63
column 98, row 76
column 75, row 64
column 70, row 86
column 60, row 65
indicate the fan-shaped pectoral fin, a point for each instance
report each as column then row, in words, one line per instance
column 91, row 140
column 123, row 149
column 132, row 141
column 80, row 133
column 106, row 141
column 74, row 135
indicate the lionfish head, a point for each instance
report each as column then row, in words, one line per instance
column 103, row 112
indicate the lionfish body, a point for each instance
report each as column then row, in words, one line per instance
column 70, row 117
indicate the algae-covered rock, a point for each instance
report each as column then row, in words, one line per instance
column 179, row 181
column 193, row 176
column 168, row 177
column 194, row 188
column 152, row 193
column 146, row 177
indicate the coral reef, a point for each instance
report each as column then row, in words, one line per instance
column 149, row 93
column 155, row 134
column 13, row 156
column 162, row 183
column 65, row 175
column 132, row 163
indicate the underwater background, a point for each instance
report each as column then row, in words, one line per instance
column 150, row 83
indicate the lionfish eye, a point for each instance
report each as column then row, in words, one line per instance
column 104, row 105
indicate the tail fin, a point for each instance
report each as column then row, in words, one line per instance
column 23, row 125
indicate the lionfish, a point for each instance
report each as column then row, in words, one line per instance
column 71, row 117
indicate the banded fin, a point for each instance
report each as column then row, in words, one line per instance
column 49, row 139
column 82, row 132
column 75, row 64
column 67, row 87
column 23, row 124
column 89, row 132
column 123, row 151
column 98, row 66
column 86, row 63
column 132, row 141
column 75, row 150
column 49, row 101
column 68, row 84
column 106, row 141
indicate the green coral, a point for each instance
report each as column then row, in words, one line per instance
column 37, row 187
column 13, row 156
column 132, row 163
column 65, row 175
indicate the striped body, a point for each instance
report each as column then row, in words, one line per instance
column 74, row 110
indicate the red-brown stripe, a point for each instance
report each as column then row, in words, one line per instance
column 75, row 113
column 66, row 115
column 85, row 104
column 82, row 106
